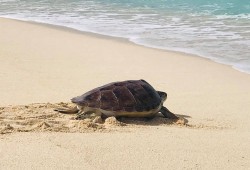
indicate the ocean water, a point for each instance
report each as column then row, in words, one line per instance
column 214, row 29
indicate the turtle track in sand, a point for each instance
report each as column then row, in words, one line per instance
column 41, row 117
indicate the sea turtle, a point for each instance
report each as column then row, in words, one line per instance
column 132, row 98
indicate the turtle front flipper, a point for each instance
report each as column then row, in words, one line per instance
column 67, row 111
column 167, row 113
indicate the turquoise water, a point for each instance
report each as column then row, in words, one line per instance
column 214, row 29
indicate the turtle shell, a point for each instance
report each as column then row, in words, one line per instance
column 129, row 96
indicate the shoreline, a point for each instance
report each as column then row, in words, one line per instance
column 120, row 39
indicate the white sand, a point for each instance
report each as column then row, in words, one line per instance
column 44, row 64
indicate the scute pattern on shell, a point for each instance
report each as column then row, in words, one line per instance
column 132, row 95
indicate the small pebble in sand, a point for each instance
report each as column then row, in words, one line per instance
column 9, row 127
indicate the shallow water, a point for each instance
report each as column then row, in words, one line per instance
column 215, row 29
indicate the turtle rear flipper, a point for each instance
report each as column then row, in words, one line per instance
column 167, row 113
column 67, row 111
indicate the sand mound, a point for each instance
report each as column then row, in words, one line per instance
column 112, row 121
column 41, row 117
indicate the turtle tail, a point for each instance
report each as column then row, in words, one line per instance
column 67, row 111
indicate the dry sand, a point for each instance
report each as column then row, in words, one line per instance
column 42, row 66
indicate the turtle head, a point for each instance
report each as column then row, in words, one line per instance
column 163, row 95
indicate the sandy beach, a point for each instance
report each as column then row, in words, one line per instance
column 42, row 67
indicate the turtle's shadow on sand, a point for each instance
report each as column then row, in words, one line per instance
column 155, row 121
